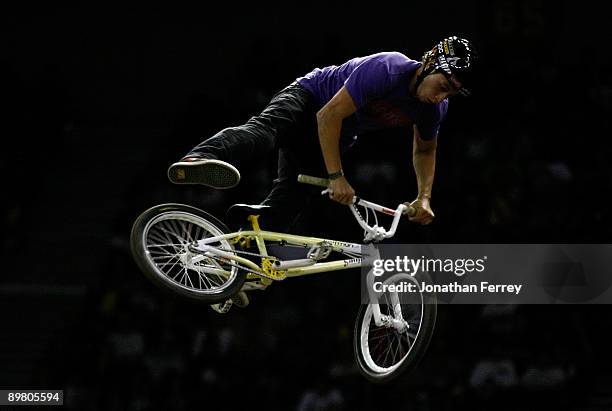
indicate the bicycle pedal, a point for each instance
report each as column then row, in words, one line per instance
column 223, row 308
column 240, row 299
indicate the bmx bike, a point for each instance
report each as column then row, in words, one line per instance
column 188, row 251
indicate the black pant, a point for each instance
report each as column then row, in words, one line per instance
column 288, row 124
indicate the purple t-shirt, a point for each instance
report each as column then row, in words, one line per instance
column 379, row 86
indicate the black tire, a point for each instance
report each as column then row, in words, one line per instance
column 428, row 310
column 143, row 258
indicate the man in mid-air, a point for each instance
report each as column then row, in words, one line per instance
column 336, row 104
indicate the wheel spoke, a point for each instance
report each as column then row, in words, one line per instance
column 168, row 234
column 163, row 253
column 167, row 263
column 387, row 350
column 397, row 349
column 191, row 232
column 179, row 229
column 188, row 277
column 379, row 337
column 162, row 238
column 386, row 346
column 197, row 232
column 159, row 257
column 185, row 229
column 378, row 344
column 173, row 229
column 182, row 272
column 207, row 279
column 211, row 281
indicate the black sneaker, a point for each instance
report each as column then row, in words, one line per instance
column 209, row 172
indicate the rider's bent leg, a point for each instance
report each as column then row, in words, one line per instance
column 213, row 161
column 288, row 198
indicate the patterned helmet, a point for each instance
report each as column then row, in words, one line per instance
column 453, row 56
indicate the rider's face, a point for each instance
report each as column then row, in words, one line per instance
column 436, row 87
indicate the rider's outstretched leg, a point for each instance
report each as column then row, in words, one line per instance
column 210, row 162
column 213, row 161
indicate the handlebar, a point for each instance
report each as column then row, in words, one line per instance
column 373, row 233
column 315, row 181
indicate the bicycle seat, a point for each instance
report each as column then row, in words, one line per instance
column 238, row 213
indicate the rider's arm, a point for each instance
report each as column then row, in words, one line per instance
column 329, row 121
column 424, row 162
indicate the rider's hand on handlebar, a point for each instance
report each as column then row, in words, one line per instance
column 424, row 215
column 341, row 191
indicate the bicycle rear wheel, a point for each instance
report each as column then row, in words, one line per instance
column 384, row 352
column 162, row 241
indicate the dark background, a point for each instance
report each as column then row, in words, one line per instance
column 99, row 100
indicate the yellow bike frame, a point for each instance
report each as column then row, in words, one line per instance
column 265, row 271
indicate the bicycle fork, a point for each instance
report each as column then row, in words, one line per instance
column 382, row 320
column 396, row 321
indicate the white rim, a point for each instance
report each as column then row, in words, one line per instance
column 166, row 238
column 390, row 351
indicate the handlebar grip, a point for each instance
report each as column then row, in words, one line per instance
column 315, row 181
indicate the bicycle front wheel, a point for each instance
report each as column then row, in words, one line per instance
column 162, row 241
column 384, row 352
